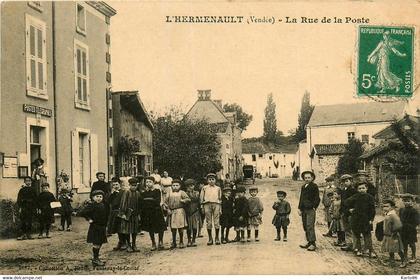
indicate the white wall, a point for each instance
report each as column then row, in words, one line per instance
column 266, row 167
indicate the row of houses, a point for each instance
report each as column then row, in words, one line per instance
column 56, row 101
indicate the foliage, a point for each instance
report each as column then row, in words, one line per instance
column 243, row 118
column 9, row 218
column 184, row 147
column 270, row 120
column 306, row 110
column 349, row 163
column 128, row 145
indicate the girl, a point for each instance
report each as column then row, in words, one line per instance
column 226, row 218
column 46, row 213
column 65, row 199
column 193, row 212
column 130, row 215
column 114, row 222
column 95, row 213
column 336, row 224
column 410, row 219
column 177, row 219
column 240, row 213
column 281, row 218
column 256, row 209
column 153, row 220
column 392, row 242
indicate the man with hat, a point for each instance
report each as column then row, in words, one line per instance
column 362, row 177
column 347, row 191
column 211, row 198
column 308, row 202
column 326, row 201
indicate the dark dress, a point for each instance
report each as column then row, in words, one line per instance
column 130, row 212
column 114, row 222
column 26, row 200
column 226, row 219
column 281, row 218
column 151, row 212
column 240, row 212
column 364, row 211
column 46, row 216
column 410, row 219
column 97, row 229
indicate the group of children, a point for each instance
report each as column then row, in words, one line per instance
column 350, row 213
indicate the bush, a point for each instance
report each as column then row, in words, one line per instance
column 9, row 218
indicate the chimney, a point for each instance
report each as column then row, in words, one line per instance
column 204, row 94
column 218, row 102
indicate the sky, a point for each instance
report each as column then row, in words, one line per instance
column 242, row 63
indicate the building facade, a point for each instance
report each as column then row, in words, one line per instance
column 132, row 135
column 54, row 80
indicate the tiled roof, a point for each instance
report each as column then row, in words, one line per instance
column 384, row 146
column 330, row 149
column 207, row 110
column 356, row 113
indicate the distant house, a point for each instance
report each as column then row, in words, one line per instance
column 332, row 126
column 270, row 161
column 131, row 135
column 228, row 132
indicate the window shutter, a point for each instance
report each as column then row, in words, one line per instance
column 76, row 92
column 44, row 55
column 75, row 172
column 93, row 156
column 28, row 56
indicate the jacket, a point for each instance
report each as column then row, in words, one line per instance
column 309, row 197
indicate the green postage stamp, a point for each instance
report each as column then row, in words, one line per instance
column 385, row 61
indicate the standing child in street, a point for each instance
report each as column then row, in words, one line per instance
column 241, row 213
column 114, row 222
column 362, row 207
column 66, row 210
column 211, row 198
column 96, row 213
column 26, row 201
column 410, row 219
column 392, row 242
column 177, row 219
column 193, row 212
column 336, row 225
column 281, row 218
column 326, row 201
column 226, row 218
column 46, row 213
column 256, row 209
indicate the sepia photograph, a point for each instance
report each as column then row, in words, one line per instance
column 167, row 138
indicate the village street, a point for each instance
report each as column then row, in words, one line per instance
column 68, row 253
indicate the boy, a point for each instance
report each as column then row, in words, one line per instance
column 281, row 218
column 362, row 208
column 336, row 225
column 226, row 218
column 240, row 213
column 26, row 201
column 346, row 192
column 46, row 214
column 326, row 201
column 256, row 209
column 95, row 213
column 410, row 219
column 113, row 221
column 65, row 198
column 211, row 198
column 193, row 212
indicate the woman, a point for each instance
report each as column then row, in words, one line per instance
column 39, row 176
column 166, row 183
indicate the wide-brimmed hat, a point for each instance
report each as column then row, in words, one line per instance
column 211, row 175
column 308, row 171
column 345, row 177
column 282, row 193
column 96, row 192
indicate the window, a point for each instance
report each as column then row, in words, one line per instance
column 81, row 71
column 80, row 19
column 365, row 139
column 270, row 157
column 260, row 155
column 84, row 159
column 36, row 5
column 36, row 61
column 350, row 136
column 254, row 158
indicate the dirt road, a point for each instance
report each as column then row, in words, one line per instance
column 67, row 252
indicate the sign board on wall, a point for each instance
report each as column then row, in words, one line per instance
column 10, row 167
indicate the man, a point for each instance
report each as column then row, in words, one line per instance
column 347, row 191
column 211, row 199
column 308, row 202
column 326, row 201
column 362, row 177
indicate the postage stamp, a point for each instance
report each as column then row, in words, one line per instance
column 385, row 61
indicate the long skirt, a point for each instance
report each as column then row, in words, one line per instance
column 194, row 221
column 392, row 244
column 153, row 220
column 96, row 234
column 177, row 219
column 114, row 222
column 130, row 226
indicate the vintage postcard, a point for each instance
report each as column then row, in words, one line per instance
column 209, row 138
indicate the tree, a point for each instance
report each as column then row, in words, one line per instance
column 270, row 121
column 183, row 147
column 349, row 163
column 243, row 118
column 306, row 110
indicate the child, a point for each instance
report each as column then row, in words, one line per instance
column 211, row 198
column 202, row 215
column 336, row 224
column 226, row 218
column 409, row 219
column 46, row 213
column 114, row 222
column 95, row 213
column 193, row 212
column 153, row 220
column 347, row 190
column 177, row 219
column 326, row 201
column 362, row 208
column 240, row 213
column 130, row 215
column 392, row 240
column 26, row 201
column 65, row 198
column 255, row 208
column 281, row 218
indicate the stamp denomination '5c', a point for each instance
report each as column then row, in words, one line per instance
column 385, row 61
